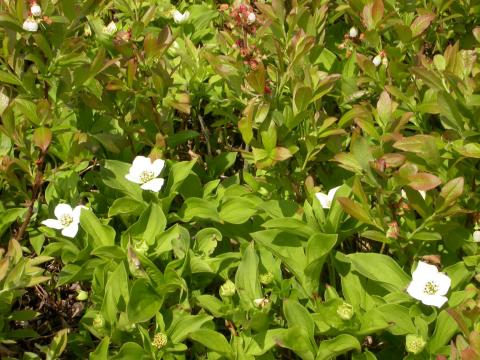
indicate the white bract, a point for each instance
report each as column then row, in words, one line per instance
column 251, row 18
column 30, row 25
column 429, row 285
column 67, row 219
column 353, row 33
column 261, row 302
column 144, row 172
column 110, row 29
column 36, row 10
column 476, row 236
column 180, row 18
column 326, row 199
column 377, row 60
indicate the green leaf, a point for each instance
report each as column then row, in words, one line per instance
column 237, row 210
column 101, row 351
column 445, row 328
column 423, row 181
column 337, row 346
column 126, row 205
column 8, row 78
column 246, row 278
column 356, row 210
column 113, row 175
column 296, row 314
column 386, row 271
column 186, row 325
column 199, row 208
column 398, row 317
column 102, row 235
column 144, row 302
column 128, row 351
column 211, row 340
column 149, row 226
column 450, row 192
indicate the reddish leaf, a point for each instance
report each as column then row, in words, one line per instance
column 423, row 181
column 355, row 210
column 42, row 138
column 421, row 23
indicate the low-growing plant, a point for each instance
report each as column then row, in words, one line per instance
column 239, row 180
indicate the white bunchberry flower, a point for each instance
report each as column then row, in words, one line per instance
column 377, row 60
column 476, row 236
column 110, row 29
column 4, row 101
column 429, row 285
column 251, row 18
column 353, row 32
column 36, row 10
column 326, row 199
column 261, row 302
column 144, row 172
column 67, row 219
column 180, row 18
column 422, row 193
column 30, row 25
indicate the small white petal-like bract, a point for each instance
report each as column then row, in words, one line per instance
column 429, row 285
column 326, row 199
column 30, row 25
column 476, row 236
column 353, row 32
column 261, row 302
column 251, row 18
column 377, row 60
column 110, row 29
column 180, row 18
column 36, row 10
column 67, row 219
column 145, row 172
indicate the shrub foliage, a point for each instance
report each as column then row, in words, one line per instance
column 244, row 117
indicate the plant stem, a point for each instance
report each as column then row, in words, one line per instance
column 37, row 185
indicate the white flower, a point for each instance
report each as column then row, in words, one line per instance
column 36, row 10
column 144, row 172
column 377, row 60
column 476, row 236
column 67, row 219
column 261, row 302
column 180, row 18
column 110, row 29
column 30, row 25
column 353, row 32
column 326, row 199
column 251, row 18
column 428, row 285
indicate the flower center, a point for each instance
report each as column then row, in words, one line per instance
column 146, row 176
column 430, row 288
column 66, row 220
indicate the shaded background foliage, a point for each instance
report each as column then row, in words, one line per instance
column 253, row 119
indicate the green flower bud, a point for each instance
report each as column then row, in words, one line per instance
column 266, row 278
column 227, row 289
column 98, row 322
column 82, row 295
column 345, row 311
column 414, row 343
column 159, row 340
